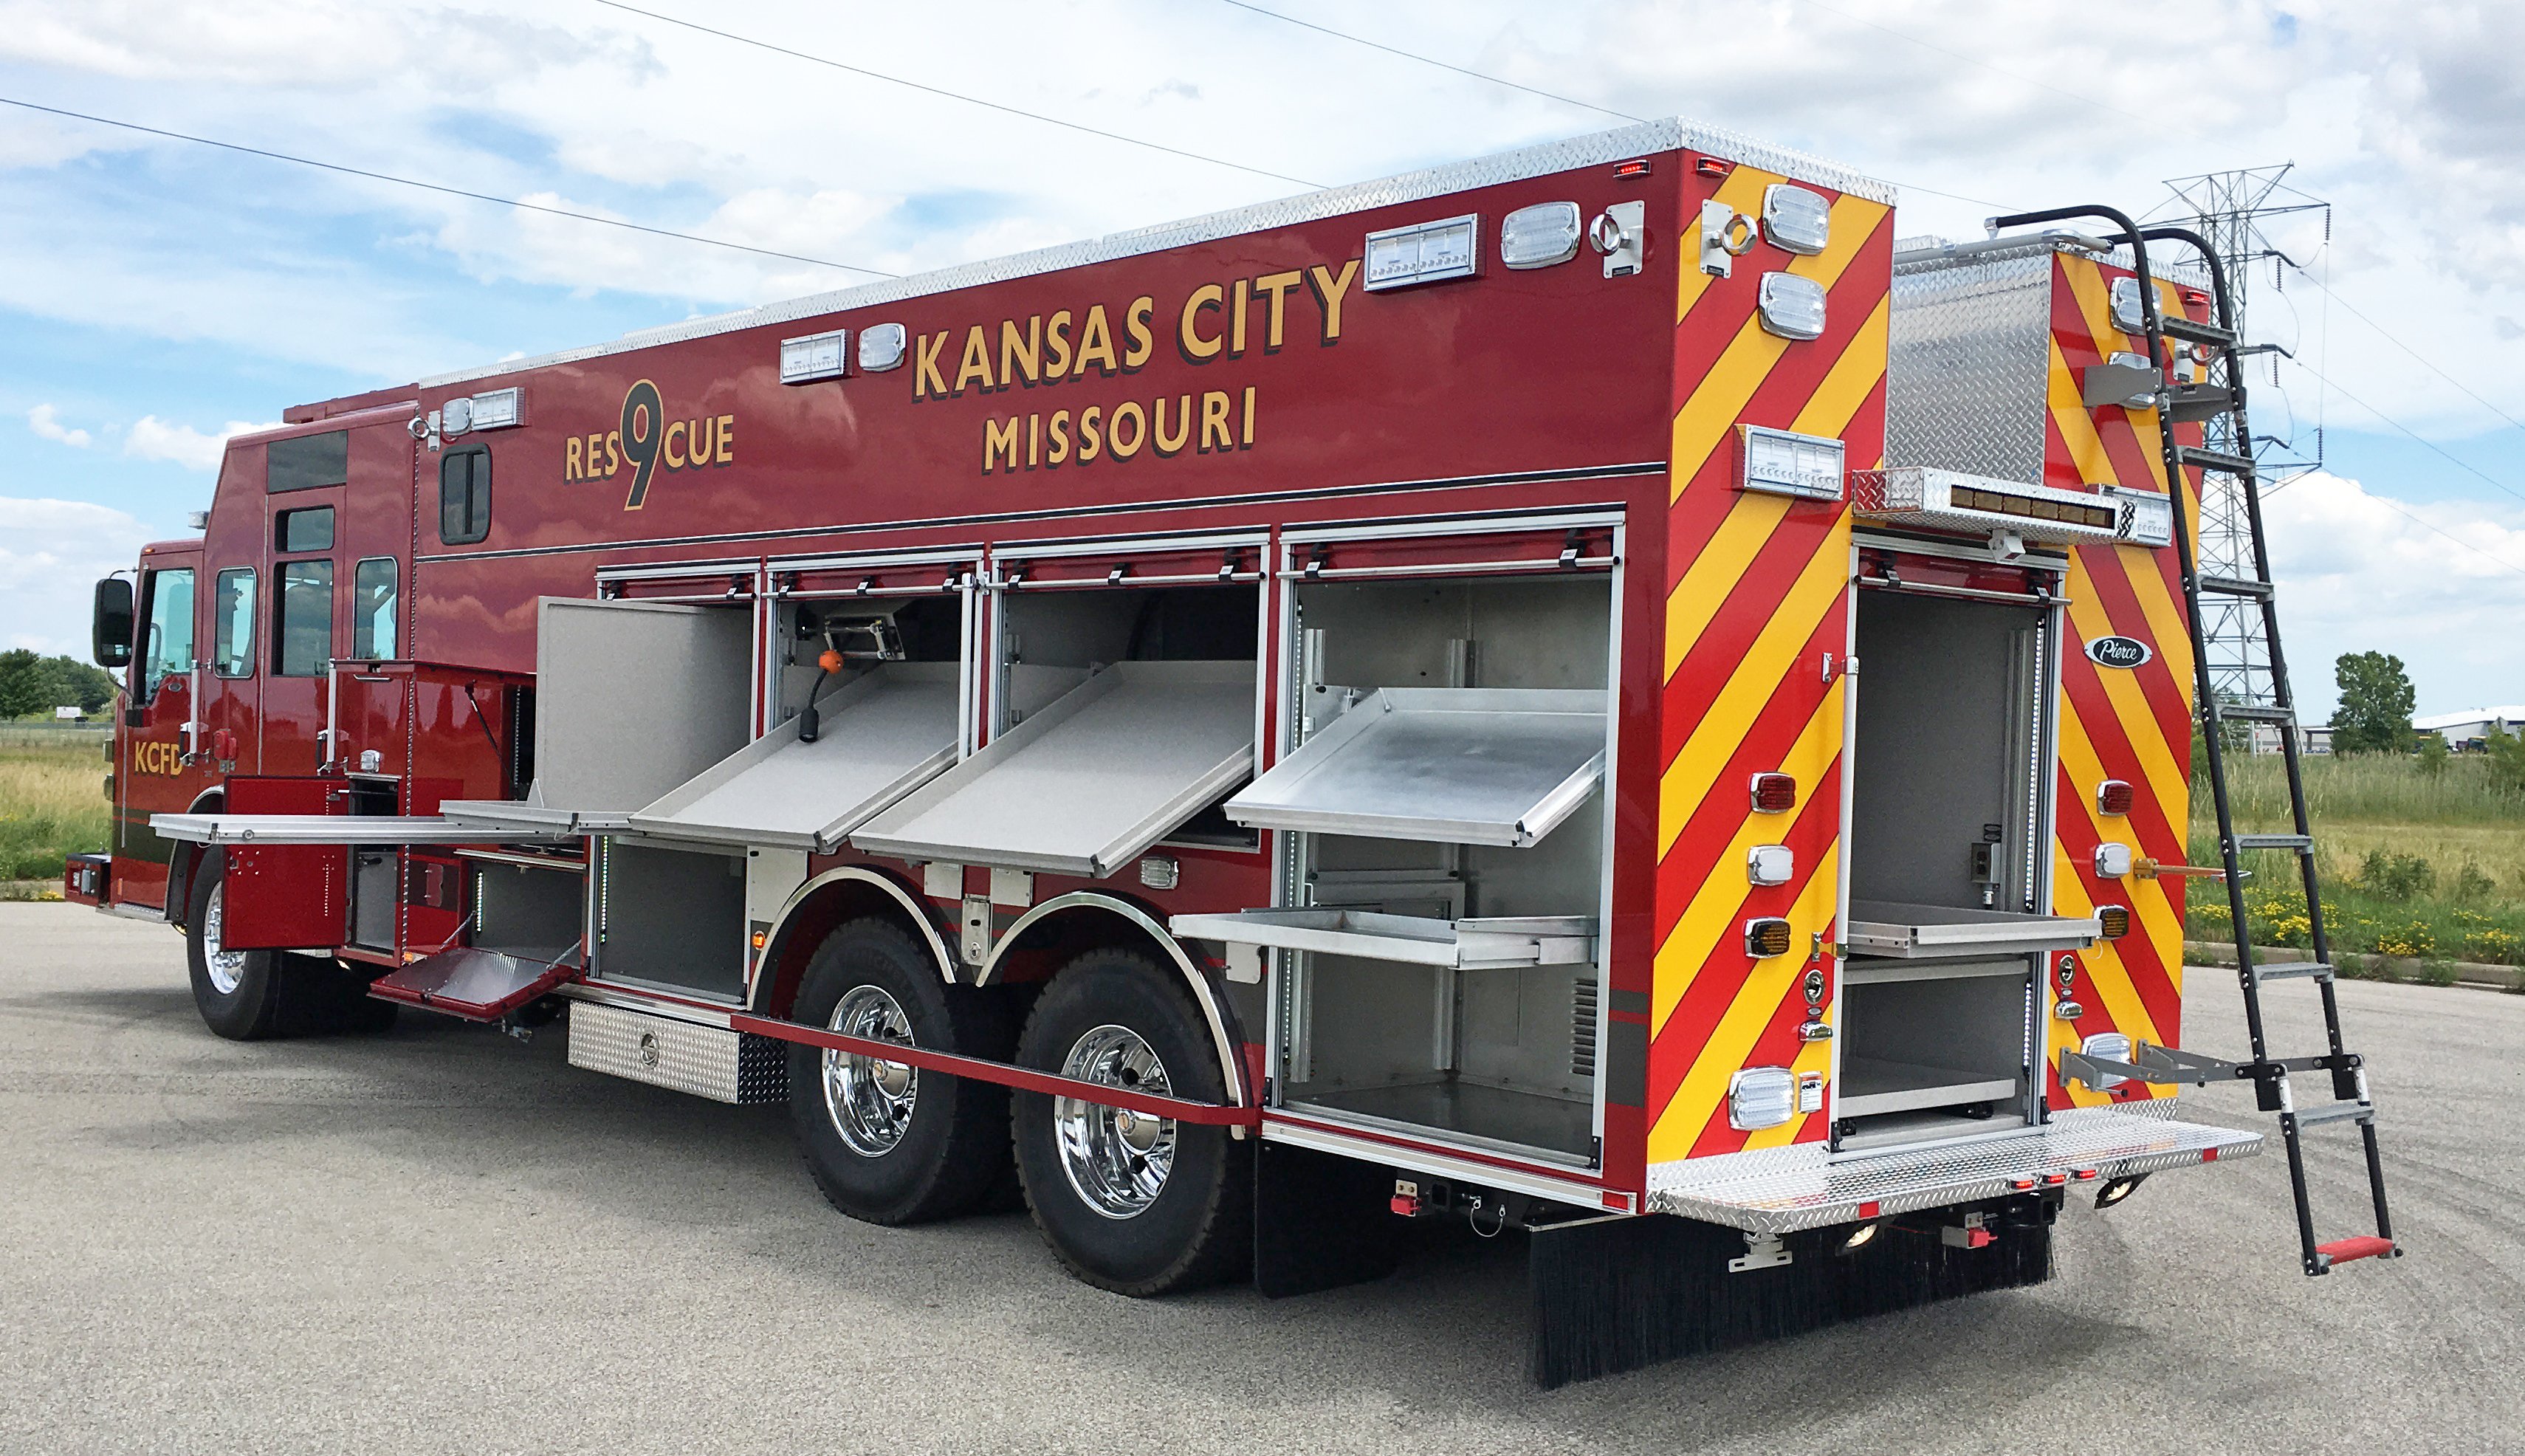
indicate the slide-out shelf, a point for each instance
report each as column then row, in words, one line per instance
column 1460, row 944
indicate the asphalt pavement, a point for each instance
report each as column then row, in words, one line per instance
column 444, row 1239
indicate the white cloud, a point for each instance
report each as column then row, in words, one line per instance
column 153, row 439
column 50, row 551
column 46, row 422
column 2440, row 585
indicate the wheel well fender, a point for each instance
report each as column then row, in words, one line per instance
column 814, row 909
column 1087, row 920
column 189, row 857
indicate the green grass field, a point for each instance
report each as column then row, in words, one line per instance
column 52, row 798
column 2412, row 865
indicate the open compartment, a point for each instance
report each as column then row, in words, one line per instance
column 1949, row 841
column 1438, row 967
column 671, row 916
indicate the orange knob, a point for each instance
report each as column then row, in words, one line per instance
column 830, row 662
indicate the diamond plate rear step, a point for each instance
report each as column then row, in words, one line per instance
column 1781, row 1190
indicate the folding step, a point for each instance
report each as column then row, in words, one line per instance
column 2364, row 1246
column 2190, row 404
column 2299, row 843
column 2336, row 1113
column 2234, row 586
column 2175, row 325
column 2214, row 460
column 2254, row 713
column 2289, row 970
column 476, row 984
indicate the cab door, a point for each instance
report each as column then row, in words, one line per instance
column 159, row 766
column 304, row 479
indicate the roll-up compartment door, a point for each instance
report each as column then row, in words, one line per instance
column 882, row 734
column 1499, row 766
column 1084, row 785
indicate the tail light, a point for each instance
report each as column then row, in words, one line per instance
column 2114, row 796
column 2115, row 919
column 1774, row 793
column 1766, row 937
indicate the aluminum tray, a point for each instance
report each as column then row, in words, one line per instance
column 508, row 818
column 1463, row 944
column 882, row 734
column 1081, row 787
column 323, row 828
column 1885, row 928
column 1499, row 766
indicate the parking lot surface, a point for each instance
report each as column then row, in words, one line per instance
column 444, row 1239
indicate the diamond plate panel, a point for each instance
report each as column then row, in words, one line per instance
column 711, row 1062
column 1781, row 1190
column 1970, row 358
column 1601, row 147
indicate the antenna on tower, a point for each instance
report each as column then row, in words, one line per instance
column 2227, row 209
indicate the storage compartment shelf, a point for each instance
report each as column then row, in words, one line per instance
column 1870, row 1085
column 1884, row 928
column 1460, row 944
column 1501, row 1117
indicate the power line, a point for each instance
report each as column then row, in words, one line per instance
column 2331, row 297
column 2413, row 434
column 1031, row 116
column 405, row 181
column 1501, row 80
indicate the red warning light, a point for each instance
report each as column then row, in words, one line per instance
column 1774, row 793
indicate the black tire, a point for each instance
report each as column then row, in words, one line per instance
column 1197, row 1226
column 267, row 993
column 948, row 1142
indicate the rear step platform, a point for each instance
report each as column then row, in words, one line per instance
column 480, row 986
column 1785, row 1190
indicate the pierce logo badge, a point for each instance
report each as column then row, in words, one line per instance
column 2117, row 652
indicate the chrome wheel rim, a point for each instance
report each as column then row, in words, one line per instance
column 225, row 966
column 1117, row 1159
column 870, row 1100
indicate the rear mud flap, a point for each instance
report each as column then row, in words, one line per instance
column 1623, row 1293
column 1319, row 1222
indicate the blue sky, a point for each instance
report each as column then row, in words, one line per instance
column 154, row 294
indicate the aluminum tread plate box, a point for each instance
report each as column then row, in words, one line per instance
column 1462, row 944
column 1880, row 927
column 1784, row 1189
column 1107, row 769
column 1933, row 499
column 1498, row 765
column 882, row 734
column 476, row 984
column 315, row 828
column 711, row 1062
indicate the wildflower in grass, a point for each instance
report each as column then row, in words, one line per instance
column 2414, row 940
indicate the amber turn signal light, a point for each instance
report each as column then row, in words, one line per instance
column 1765, row 938
column 2115, row 919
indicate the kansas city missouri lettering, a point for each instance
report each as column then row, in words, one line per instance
column 1071, row 348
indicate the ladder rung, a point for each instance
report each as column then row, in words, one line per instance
column 2364, row 1246
column 2338, row 1112
column 2275, row 841
column 2289, row 971
column 2254, row 713
column 2190, row 404
column 2215, row 459
column 2234, row 586
column 2175, row 325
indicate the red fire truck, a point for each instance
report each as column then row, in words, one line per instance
column 1254, row 730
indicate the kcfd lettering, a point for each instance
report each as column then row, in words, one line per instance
column 156, row 756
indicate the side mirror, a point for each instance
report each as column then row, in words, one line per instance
column 110, row 635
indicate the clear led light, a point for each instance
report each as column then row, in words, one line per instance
column 1424, row 252
column 2146, row 517
column 881, row 348
column 2128, row 317
column 1760, row 1097
column 2112, row 860
column 814, row 356
column 498, row 409
column 2111, row 1046
column 1539, row 236
column 1792, row 305
column 1796, row 219
column 1770, row 864
column 1784, row 463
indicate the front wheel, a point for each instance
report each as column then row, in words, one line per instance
column 1137, row 1204
column 248, row 996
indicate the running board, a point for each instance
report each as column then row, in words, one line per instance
column 478, row 986
column 1786, row 1189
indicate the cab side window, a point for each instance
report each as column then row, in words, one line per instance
column 463, row 496
column 302, row 620
column 233, row 624
column 167, row 644
column 372, row 608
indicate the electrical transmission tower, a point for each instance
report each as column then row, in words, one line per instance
column 2227, row 209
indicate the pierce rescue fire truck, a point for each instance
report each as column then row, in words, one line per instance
column 1259, row 728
